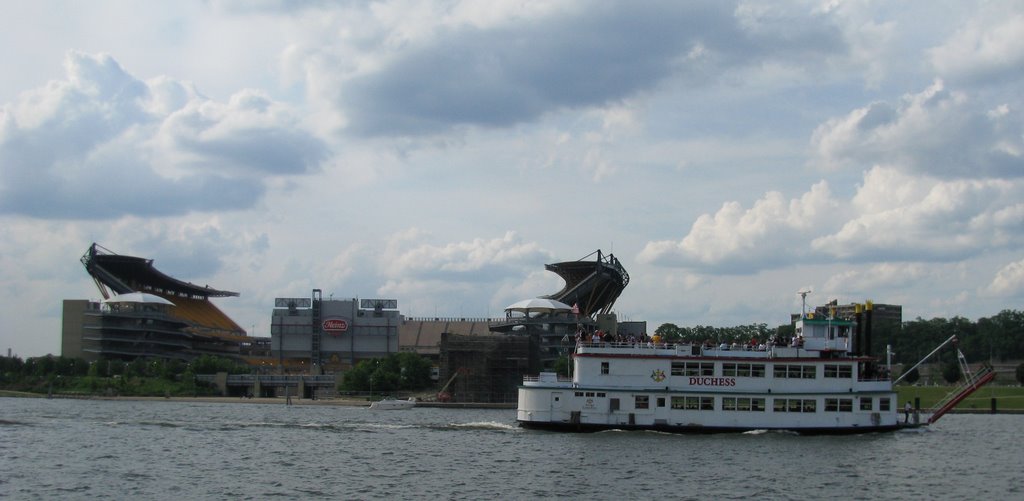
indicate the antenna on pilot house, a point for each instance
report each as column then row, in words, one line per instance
column 803, row 300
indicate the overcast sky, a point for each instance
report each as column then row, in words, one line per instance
column 440, row 153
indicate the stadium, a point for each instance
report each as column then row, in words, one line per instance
column 146, row 313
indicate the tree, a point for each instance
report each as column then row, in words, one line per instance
column 404, row 371
column 951, row 371
column 562, row 366
column 1020, row 373
column 669, row 332
column 913, row 376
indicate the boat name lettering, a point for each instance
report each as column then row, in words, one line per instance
column 712, row 381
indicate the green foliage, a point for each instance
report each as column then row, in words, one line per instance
column 209, row 364
column 703, row 333
column 140, row 377
column 403, row 371
column 951, row 371
column 1000, row 337
column 913, row 376
column 562, row 364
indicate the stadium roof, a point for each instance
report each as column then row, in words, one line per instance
column 124, row 274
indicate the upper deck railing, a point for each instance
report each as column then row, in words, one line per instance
column 698, row 350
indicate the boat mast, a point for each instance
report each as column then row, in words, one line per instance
column 803, row 299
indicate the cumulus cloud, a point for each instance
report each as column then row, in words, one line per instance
column 1009, row 281
column 893, row 217
column 456, row 67
column 938, row 131
column 906, row 217
column 983, row 50
column 102, row 143
column 738, row 240
column 475, row 260
column 877, row 277
column 193, row 247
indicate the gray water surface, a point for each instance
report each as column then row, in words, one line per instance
column 84, row 449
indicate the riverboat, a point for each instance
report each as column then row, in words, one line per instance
column 819, row 383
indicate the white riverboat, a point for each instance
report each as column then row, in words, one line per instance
column 817, row 385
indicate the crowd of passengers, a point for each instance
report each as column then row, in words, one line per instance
column 601, row 338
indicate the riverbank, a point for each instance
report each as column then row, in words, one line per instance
column 345, row 402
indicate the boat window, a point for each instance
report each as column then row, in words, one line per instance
column 604, row 367
column 742, row 404
column 865, row 403
column 641, row 402
column 838, row 371
column 742, row 370
column 883, row 404
column 783, row 371
column 693, row 403
column 838, row 405
column 661, row 401
column 601, row 394
column 579, row 394
column 793, row 405
column 693, row 368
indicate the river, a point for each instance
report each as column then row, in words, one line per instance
column 88, row 449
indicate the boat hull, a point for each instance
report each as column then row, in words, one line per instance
column 704, row 430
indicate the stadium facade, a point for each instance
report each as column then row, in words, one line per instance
column 314, row 335
column 146, row 313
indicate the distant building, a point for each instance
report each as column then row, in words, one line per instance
column 313, row 335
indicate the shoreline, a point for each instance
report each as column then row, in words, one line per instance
column 336, row 402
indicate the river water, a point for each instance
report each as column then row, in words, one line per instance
column 84, row 449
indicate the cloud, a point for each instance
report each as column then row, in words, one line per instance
column 877, row 277
column 467, row 261
column 1008, row 282
column 939, row 132
column 904, row 217
column 455, row 67
column 101, row 144
column 737, row 240
column 893, row 217
column 984, row 50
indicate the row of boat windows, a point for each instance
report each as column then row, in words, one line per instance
column 779, row 371
column 754, row 404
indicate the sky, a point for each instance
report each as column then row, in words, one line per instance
column 729, row 154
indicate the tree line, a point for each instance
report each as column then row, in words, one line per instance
column 142, row 376
column 996, row 338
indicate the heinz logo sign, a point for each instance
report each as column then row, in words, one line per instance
column 335, row 325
